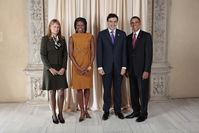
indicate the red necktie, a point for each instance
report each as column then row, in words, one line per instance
column 134, row 40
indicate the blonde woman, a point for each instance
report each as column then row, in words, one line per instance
column 54, row 57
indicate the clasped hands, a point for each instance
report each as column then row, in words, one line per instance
column 55, row 72
column 84, row 70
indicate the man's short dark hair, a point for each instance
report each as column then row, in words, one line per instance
column 112, row 15
column 135, row 17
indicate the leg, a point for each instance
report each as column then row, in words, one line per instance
column 86, row 97
column 107, row 82
column 134, row 89
column 117, row 81
column 81, row 103
column 60, row 104
column 52, row 100
column 144, row 96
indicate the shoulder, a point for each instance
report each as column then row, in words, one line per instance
column 72, row 36
column 121, row 32
column 103, row 31
column 88, row 34
column 45, row 37
column 145, row 33
column 129, row 36
column 62, row 38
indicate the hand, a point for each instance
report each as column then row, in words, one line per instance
column 101, row 71
column 82, row 71
column 145, row 75
column 53, row 71
column 127, row 74
column 61, row 71
column 89, row 68
column 123, row 71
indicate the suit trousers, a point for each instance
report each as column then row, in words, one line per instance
column 139, row 90
column 109, row 78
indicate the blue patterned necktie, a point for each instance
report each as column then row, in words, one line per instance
column 112, row 37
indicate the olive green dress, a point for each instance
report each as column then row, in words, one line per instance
column 53, row 58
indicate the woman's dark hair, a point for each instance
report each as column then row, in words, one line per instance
column 112, row 15
column 83, row 20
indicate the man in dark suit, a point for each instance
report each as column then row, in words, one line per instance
column 111, row 63
column 139, row 60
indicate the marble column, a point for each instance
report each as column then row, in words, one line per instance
column 160, row 68
column 37, row 16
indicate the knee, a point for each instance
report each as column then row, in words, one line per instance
column 51, row 92
column 87, row 92
column 79, row 92
column 61, row 93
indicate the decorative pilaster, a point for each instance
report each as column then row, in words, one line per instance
column 160, row 67
column 36, row 26
column 149, row 26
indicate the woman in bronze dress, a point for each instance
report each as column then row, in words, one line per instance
column 82, row 54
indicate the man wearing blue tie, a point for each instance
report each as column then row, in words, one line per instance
column 111, row 63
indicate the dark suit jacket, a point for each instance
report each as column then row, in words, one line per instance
column 139, row 59
column 108, row 54
column 52, row 57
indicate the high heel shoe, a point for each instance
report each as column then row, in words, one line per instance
column 81, row 118
column 87, row 115
column 55, row 120
column 61, row 119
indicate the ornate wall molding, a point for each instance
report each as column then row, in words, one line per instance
column 160, row 67
column 37, row 17
column 149, row 16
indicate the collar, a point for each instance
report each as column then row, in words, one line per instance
column 137, row 32
column 109, row 30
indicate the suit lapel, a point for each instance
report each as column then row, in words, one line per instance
column 117, row 36
column 130, row 45
column 108, row 36
column 138, row 38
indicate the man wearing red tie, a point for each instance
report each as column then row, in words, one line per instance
column 139, row 60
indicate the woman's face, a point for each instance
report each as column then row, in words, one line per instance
column 54, row 28
column 80, row 27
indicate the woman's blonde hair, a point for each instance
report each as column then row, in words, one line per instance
column 51, row 23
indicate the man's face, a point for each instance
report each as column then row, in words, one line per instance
column 135, row 24
column 112, row 23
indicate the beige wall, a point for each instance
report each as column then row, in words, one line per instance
column 13, row 50
column 184, row 48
